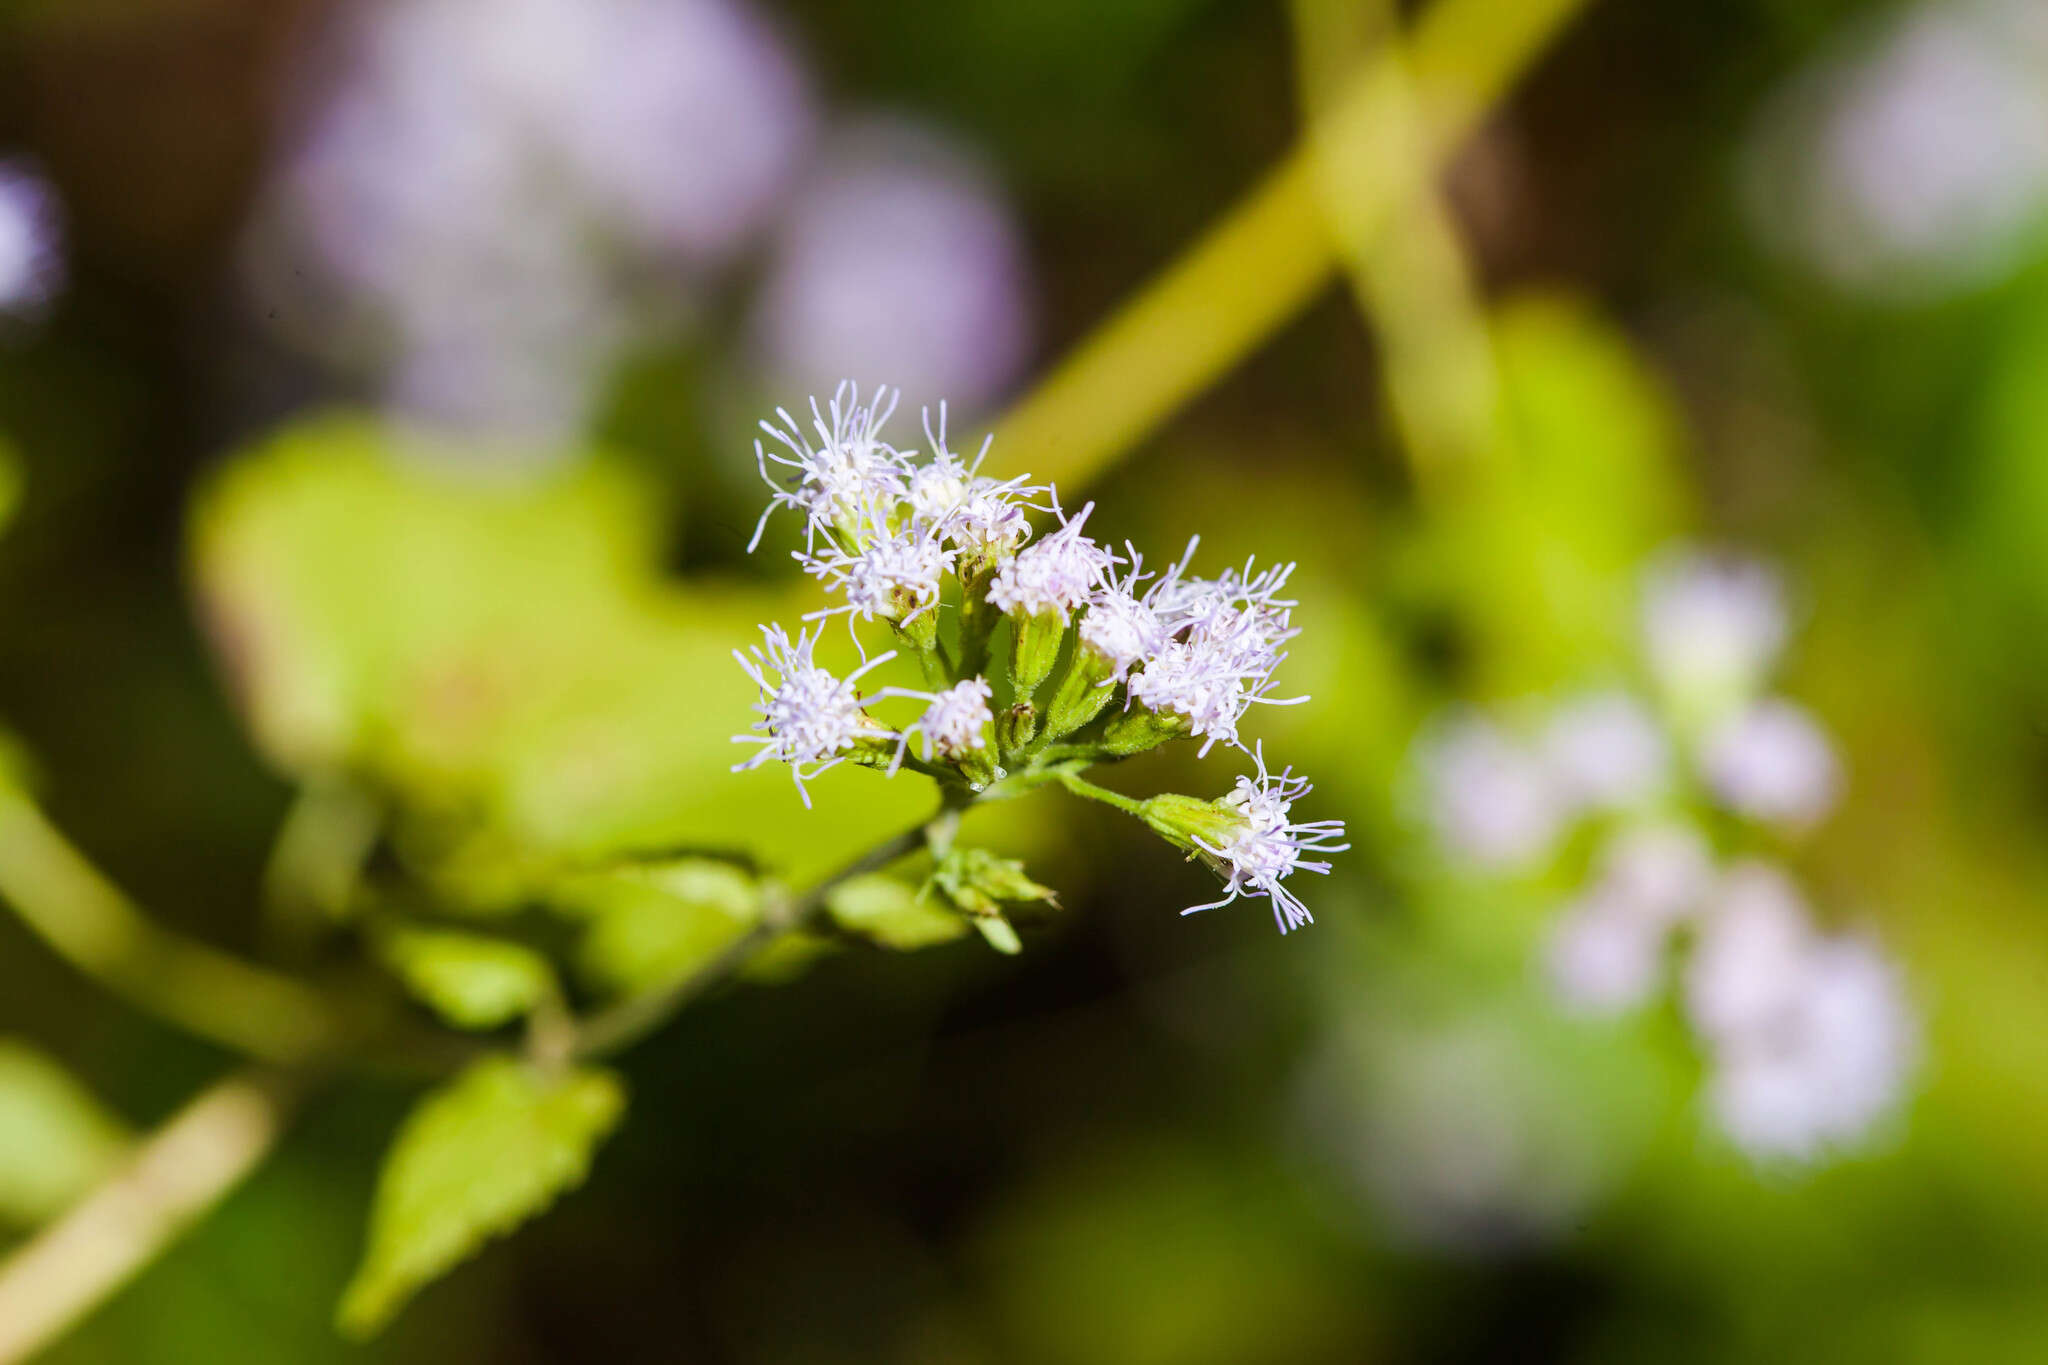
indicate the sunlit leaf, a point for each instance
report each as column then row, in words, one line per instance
column 891, row 912
column 472, row 982
column 474, row 1160
column 56, row 1140
column 649, row 923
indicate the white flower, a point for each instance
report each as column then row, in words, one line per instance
column 1603, row 958
column 1259, row 854
column 1772, row 763
column 955, row 722
column 31, row 263
column 846, row 477
column 1120, row 625
column 1053, row 577
column 809, row 718
column 1607, row 751
column 1712, row 627
column 1490, row 799
column 893, row 577
column 1826, row 1064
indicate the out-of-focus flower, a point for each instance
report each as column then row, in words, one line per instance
column 1659, row 871
column 1772, row 763
column 477, row 203
column 1811, row 1036
column 1491, row 798
column 31, row 241
column 900, row 257
column 1607, row 751
column 1912, row 159
column 1603, row 958
column 1712, row 628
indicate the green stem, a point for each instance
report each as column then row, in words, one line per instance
column 1081, row 786
column 618, row 1027
column 89, row 923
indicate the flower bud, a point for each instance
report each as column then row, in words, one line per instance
column 1017, row 727
column 1084, row 689
column 1139, row 729
column 1034, row 648
column 1191, row 823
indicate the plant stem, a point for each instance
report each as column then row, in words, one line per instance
column 183, row 1170
column 89, row 923
column 625, row 1023
column 1081, row 786
column 1275, row 250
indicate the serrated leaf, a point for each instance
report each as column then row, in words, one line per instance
column 56, row 1140
column 652, row 922
column 891, row 912
column 472, row 1161
column 471, row 981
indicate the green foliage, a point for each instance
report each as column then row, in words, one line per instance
column 474, row 1160
column 56, row 1140
column 978, row 884
column 892, row 912
column 472, row 982
column 652, row 922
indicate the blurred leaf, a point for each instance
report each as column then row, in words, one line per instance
column 10, row 482
column 652, row 922
column 474, row 1160
column 893, row 913
column 501, row 661
column 56, row 1140
column 472, row 982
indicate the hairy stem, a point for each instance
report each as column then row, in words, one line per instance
column 86, row 920
column 614, row 1029
column 1081, row 786
column 183, row 1170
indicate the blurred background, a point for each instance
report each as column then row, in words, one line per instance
column 376, row 388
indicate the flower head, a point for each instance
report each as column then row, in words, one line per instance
column 1222, row 648
column 1712, row 626
column 1263, row 847
column 956, row 722
column 844, row 476
column 893, row 576
column 31, row 260
column 810, row 719
column 977, row 515
column 1772, row 763
column 1055, row 576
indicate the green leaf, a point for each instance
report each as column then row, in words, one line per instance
column 474, row 1160
column 471, row 981
column 56, row 1140
column 891, row 912
column 652, row 922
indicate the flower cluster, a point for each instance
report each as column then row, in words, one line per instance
column 1810, row 1035
column 1042, row 656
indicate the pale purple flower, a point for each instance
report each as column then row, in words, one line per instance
column 1258, row 855
column 977, row 515
column 1603, row 957
column 902, row 256
column 1659, row 873
column 1607, row 751
column 1223, row 647
column 1771, row 762
column 1712, row 627
column 892, row 576
column 809, row 717
column 1490, row 797
column 956, row 721
column 1911, row 161
column 841, row 480
column 1055, row 576
column 31, row 241
column 1824, row 1064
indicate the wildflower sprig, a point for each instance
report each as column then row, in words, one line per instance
column 1099, row 659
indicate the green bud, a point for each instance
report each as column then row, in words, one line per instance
column 1016, row 727
column 1139, row 729
column 919, row 632
column 1184, row 820
column 1034, row 648
column 978, row 616
column 874, row 747
column 1083, row 690
column 977, row 883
